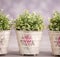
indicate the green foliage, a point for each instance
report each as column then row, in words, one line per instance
column 4, row 22
column 29, row 21
column 55, row 22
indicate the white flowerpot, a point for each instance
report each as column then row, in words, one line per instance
column 4, row 37
column 29, row 42
column 55, row 42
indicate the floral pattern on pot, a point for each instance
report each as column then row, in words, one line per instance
column 27, row 40
column 58, row 41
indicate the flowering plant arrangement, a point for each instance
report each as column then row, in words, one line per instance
column 55, row 22
column 4, row 22
column 29, row 21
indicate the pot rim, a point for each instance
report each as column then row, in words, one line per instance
column 4, row 30
column 28, row 31
column 57, row 32
column 53, row 31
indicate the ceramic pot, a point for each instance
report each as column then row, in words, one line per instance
column 55, row 42
column 4, row 39
column 29, row 42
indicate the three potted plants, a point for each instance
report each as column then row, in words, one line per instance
column 29, row 28
column 54, row 33
column 4, row 33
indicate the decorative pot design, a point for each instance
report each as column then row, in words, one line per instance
column 29, row 42
column 55, row 42
column 4, row 37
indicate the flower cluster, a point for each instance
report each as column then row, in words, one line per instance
column 29, row 21
column 4, row 22
column 55, row 22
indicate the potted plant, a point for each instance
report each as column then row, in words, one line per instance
column 54, row 33
column 29, row 28
column 4, row 33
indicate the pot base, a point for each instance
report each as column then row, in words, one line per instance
column 2, row 54
column 29, row 54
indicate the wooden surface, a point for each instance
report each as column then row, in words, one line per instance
column 16, row 54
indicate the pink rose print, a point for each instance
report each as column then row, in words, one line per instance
column 27, row 39
column 58, row 42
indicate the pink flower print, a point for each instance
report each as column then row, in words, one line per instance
column 58, row 42
column 27, row 39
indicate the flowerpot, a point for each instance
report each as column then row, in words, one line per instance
column 4, row 38
column 29, row 42
column 55, row 42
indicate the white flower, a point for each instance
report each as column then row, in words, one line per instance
column 7, row 15
column 1, row 9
